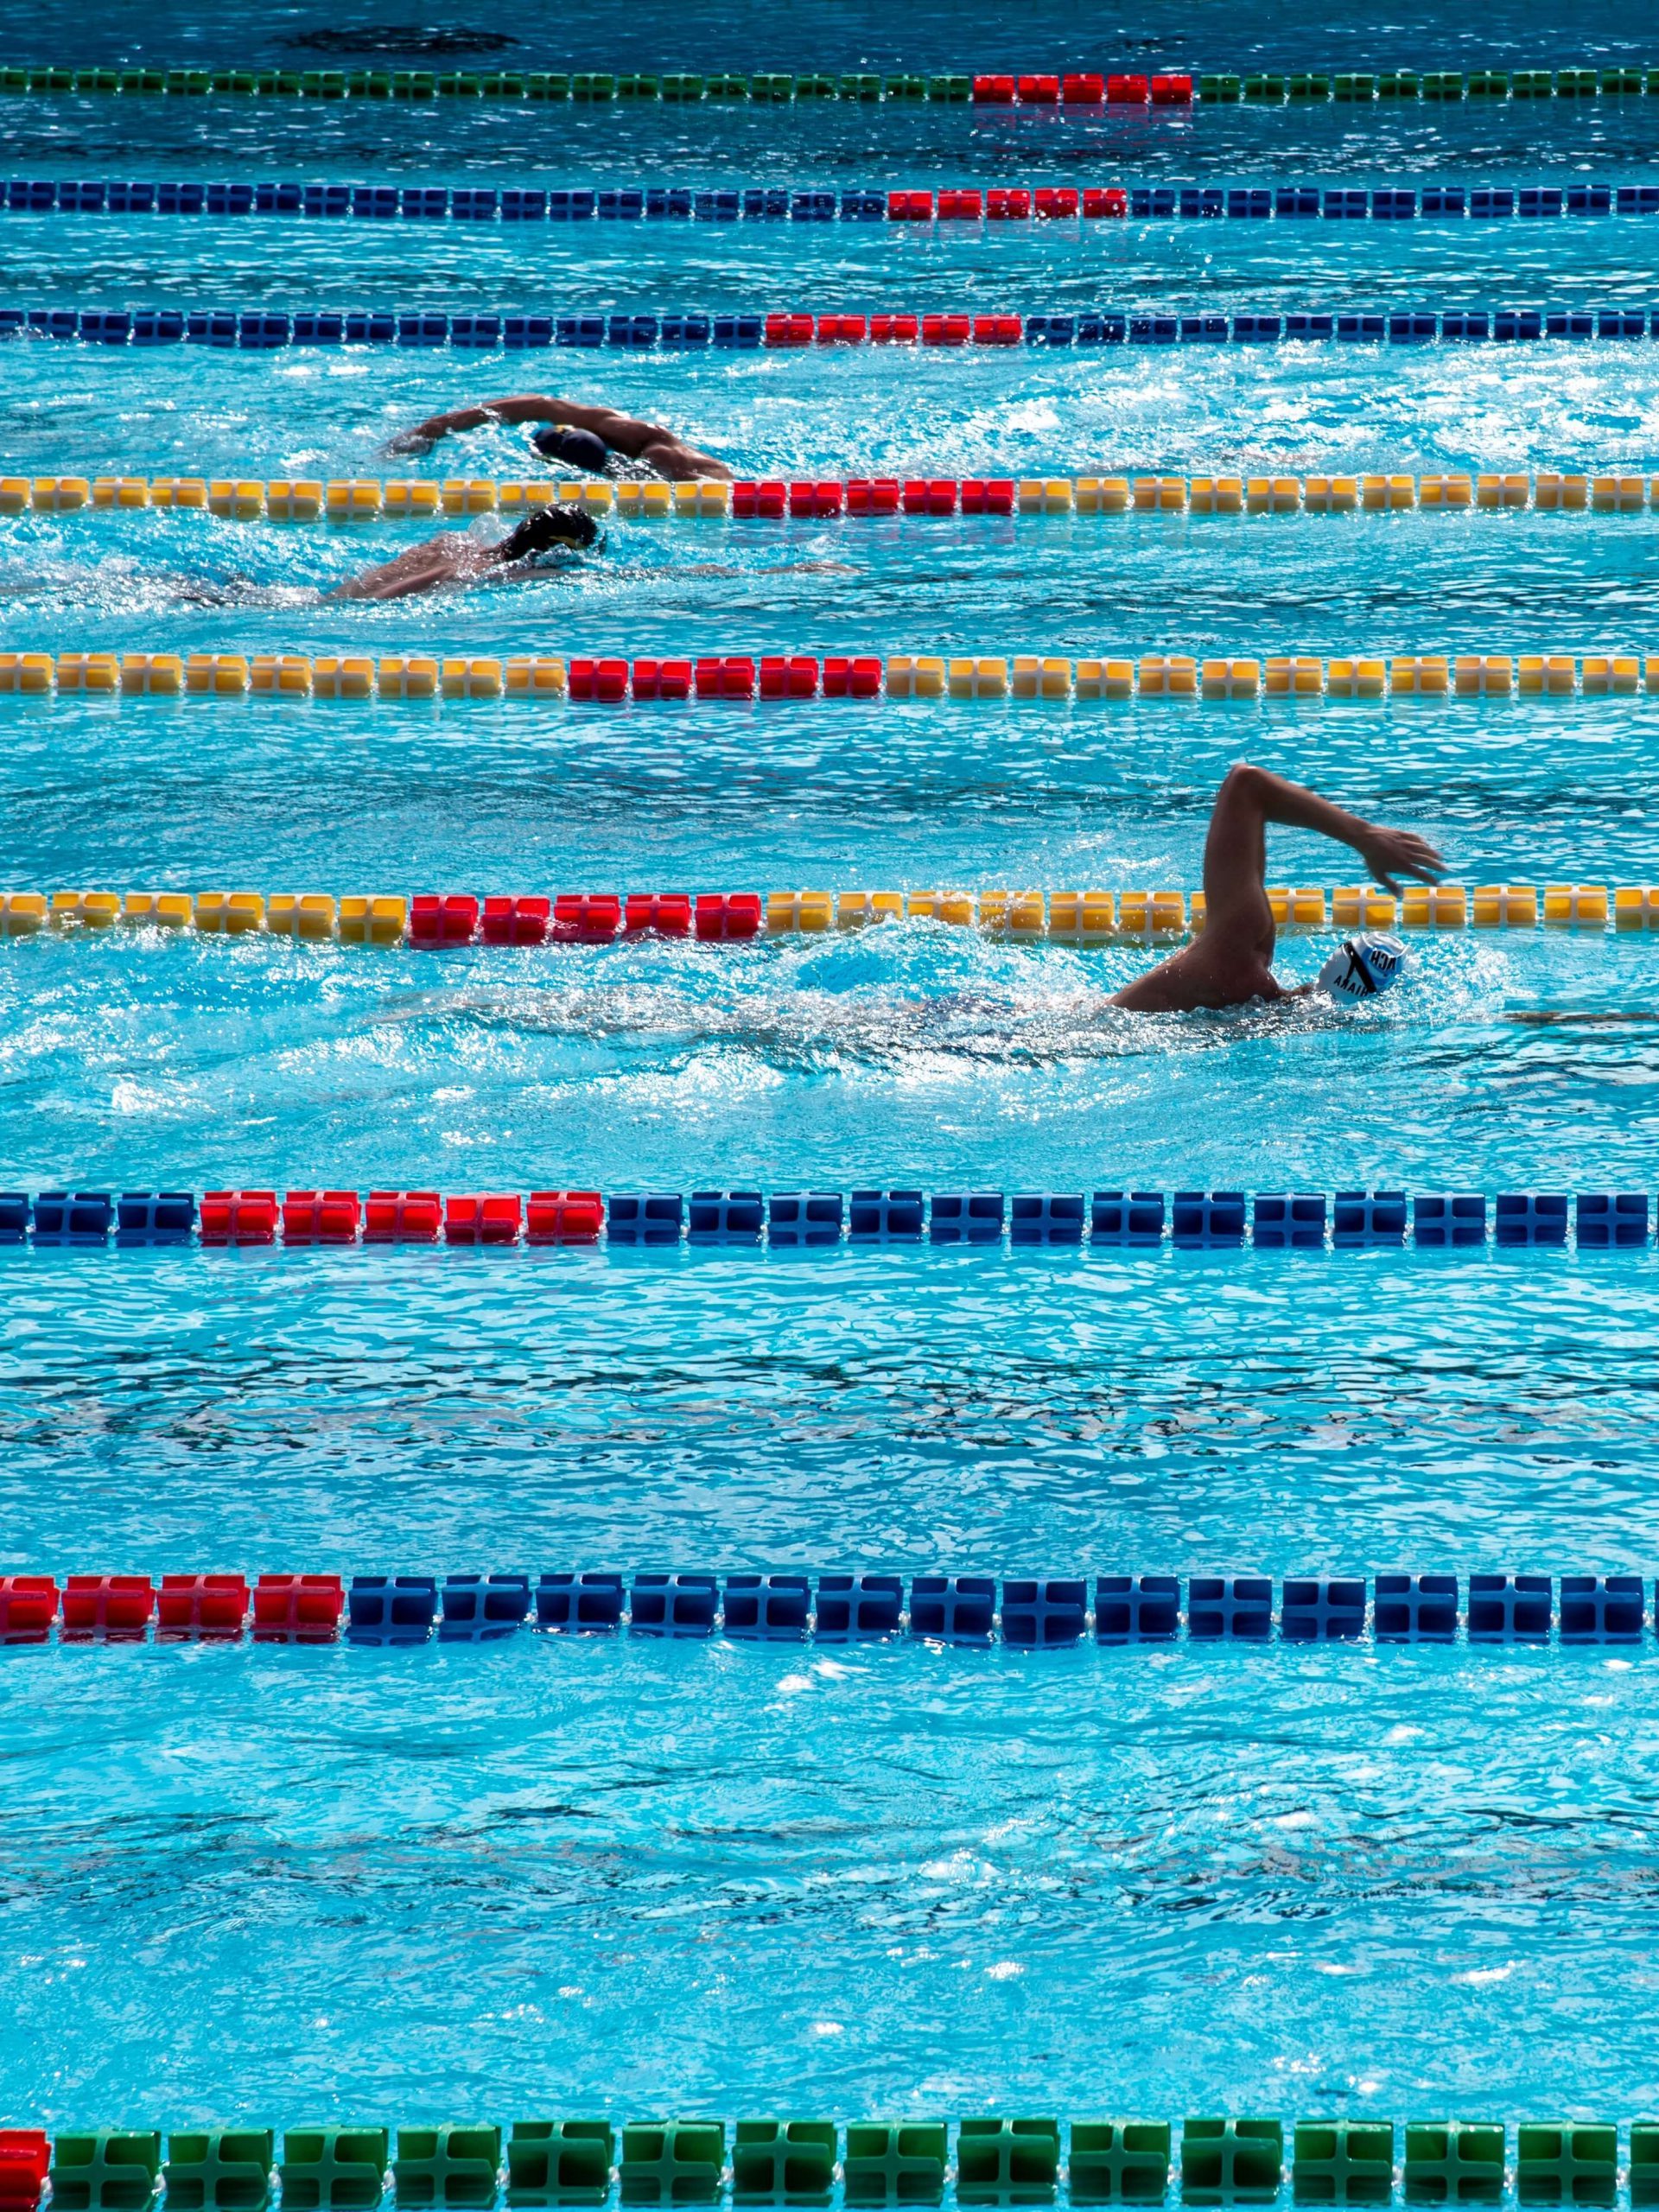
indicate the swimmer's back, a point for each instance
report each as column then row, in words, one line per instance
column 450, row 558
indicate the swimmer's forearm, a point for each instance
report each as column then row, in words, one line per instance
column 1388, row 853
column 521, row 407
column 1293, row 806
column 682, row 463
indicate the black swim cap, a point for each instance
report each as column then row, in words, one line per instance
column 543, row 530
column 576, row 449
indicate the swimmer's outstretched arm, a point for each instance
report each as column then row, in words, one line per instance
column 648, row 441
column 1231, row 963
column 522, row 407
column 1234, row 852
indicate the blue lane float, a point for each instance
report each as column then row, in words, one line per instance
column 483, row 330
column 755, row 1221
column 1024, row 1611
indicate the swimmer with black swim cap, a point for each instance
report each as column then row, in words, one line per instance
column 454, row 558
column 1229, row 962
column 577, row 436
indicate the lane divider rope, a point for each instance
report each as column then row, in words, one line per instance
column 585, row 203
column 993, row 2160
column 264, row 330
column 403, row 678
column 1042, row 1613
column 820, row 204
column 996, row 2161
column 1630, row 490
column 431, row 920
column 1126, row 86
column 748, row 1220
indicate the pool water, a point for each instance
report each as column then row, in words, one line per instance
column 563, row 1874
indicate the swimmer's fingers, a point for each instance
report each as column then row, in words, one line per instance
column 1391, row 854
column 1421, row 859
column 411, row 441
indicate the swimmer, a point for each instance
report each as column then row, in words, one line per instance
column 454, row 558
column 1231, row 961
column 577, row 436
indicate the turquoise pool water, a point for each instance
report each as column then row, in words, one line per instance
column 275, row 1885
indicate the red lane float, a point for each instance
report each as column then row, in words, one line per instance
column 994, row 497
column 29, row 1605
column 401, row 1217
column 725, row 676
column 239, row 1217
column 587, row 917
column 792, row 676
column 25, row 2158
column 321, row 1217
column 435, row 919
column 1128, row 88
column 117, row 1609
column 658, row 913
column 1083, row 88
column 495, row 1219
column 855, row 678
column 516, row 921
column 813, row 499
column 724, row 916
column 605, row 680
column 662, row 679
column 297, row 1608
column 1010, row 203
column 116, row 1606
column 206, row 1606
column 563, row 1218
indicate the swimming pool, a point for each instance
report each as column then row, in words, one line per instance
column 570, row 1874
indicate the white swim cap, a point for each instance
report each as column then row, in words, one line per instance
column 1363, row 966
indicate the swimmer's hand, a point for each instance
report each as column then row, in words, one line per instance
column 425, row 436
column 1391, row 854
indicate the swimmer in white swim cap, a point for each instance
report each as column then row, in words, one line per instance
column 1229, row 962
column 1361, row 966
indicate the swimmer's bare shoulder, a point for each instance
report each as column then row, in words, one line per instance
column 451, row 558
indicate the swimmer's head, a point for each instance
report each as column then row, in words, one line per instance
column 1363, row 966
column 575, row 448
column 544, row 531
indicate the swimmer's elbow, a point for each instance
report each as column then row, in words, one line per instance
column 1244, row 781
